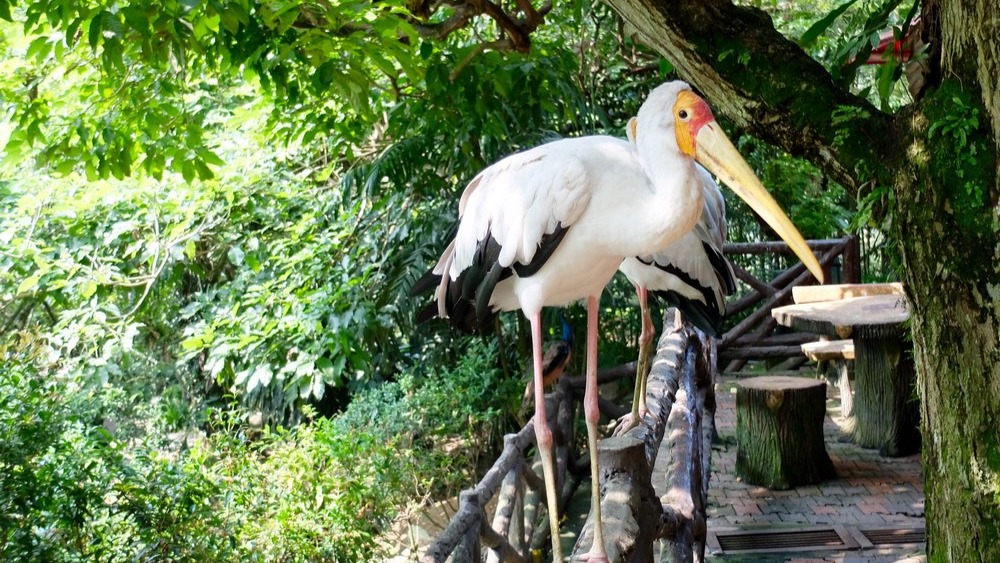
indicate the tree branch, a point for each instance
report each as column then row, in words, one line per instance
column 764, row 83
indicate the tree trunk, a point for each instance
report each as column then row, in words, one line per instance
column 931, row 173
column 947, row 227
column 954, row 290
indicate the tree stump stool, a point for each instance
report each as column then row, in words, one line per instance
column 779, row 432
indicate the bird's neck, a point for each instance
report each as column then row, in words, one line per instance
column 677, row 198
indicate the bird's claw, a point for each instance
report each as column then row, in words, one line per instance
column 593, row 558
column 627, row 423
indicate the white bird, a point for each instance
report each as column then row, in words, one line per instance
column 551, row 225
column 692, row 274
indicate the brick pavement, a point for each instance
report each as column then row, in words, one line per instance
column 869, row 491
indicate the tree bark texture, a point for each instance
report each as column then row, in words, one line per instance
column 930, row 171
column 947, row 227
column 886, row 411
column 634, row 522
column 779, row 432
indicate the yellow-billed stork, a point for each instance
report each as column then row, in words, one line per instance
column 691, row 274
column 551, row 225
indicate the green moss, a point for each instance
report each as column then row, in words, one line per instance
column 961, row 158
column 962, row 164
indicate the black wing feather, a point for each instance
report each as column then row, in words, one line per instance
column 722, row 270
column 705, row 317
column 704, row 314
column 467, row 297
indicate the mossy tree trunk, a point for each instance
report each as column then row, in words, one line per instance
column 931, row 170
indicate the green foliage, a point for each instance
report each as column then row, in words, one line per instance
column 453, row 418
column 139, row 70
column 72, row 490
column 816, row 205
column 845, row 36
column 956, row 125
column 163, row 280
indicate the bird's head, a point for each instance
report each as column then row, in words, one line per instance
column 700, row 137
column 567, row 331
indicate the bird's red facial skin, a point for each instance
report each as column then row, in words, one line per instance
column 691, row 113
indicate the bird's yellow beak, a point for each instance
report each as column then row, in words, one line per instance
column 716, row 153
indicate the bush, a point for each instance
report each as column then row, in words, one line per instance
column 452, row 419
column 70, row 490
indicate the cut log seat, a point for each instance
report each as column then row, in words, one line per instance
column 779, row 432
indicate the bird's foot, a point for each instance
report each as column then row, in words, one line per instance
column 627, row 423
column 594, row 558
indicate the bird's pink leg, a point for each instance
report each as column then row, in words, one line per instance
column 597, row 554
column 543, row 436
column 634, row 418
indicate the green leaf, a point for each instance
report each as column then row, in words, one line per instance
column 94, row 33
column 817, row 29
column 39, row 48
column 28, row 284
column 88, row 289
column 193, row 343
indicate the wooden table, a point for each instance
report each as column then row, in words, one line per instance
column 886, row 412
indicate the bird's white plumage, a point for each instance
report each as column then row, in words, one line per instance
column 688, row 254
column 588, row 185
column 517, row 201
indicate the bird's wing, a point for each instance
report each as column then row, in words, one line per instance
column 714, row 235
column 692, row 273
column 518, row 201
column 512, row 217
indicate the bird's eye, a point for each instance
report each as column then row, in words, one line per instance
column 683, row 114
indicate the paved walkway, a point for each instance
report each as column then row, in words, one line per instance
column 870, row 492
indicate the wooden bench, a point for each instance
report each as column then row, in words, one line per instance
column 838, row 355
column 826, row 350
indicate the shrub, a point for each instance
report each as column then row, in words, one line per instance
column 452, row 419
column 70, row 490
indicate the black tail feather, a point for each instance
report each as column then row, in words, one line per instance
column 426, row 282
column 705, row 317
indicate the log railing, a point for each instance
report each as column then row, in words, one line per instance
column 515, row 528
column 681, row 401
column 753, row 338
column 645, row 499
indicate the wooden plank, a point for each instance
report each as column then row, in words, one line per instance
column 839, row 319
column 817, row 293
column 829, row 350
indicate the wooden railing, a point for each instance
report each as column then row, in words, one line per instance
column 753, row 338
column 515, row 528
column 681, row 399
